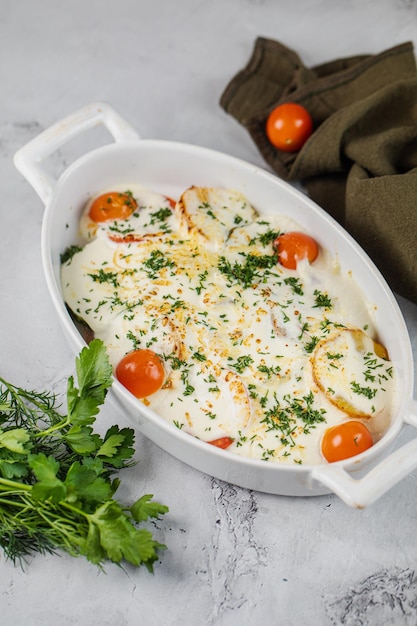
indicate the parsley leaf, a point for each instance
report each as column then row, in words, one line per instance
column 145, row 508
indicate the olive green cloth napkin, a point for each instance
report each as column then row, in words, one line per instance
column 360, row 163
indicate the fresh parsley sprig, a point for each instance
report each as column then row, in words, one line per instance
column 57, row 481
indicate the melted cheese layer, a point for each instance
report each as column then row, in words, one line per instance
column 268, row 356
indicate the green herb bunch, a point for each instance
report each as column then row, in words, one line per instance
column 57, row 481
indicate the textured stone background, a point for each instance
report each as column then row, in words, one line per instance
column 235, row 557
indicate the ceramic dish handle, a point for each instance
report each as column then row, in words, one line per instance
column 28, row 160
column 361, row 492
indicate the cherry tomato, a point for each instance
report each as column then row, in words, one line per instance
column 294, row 246
column 172, row 202
column 289, row 126
column 222, row 442
column 141, row 372
column 345, row 440
column 112, row 206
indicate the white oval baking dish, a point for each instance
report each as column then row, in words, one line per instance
column 170, row 168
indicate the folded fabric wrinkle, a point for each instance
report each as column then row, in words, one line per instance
column 360, row 163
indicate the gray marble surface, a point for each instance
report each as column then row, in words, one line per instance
column 234, row 557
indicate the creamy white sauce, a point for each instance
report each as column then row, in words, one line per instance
column 258, row 361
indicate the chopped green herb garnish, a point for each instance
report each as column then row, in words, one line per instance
column 69, row 253
column 322, row 300
column 241, row 363
column 295, row 285
column 249, row 272
column 265, row 238
column 309, row 347
column 269, row 370
column 105, row 277
column 156, row 262
column 364, row 391
column 202, row 278
column 286, row 416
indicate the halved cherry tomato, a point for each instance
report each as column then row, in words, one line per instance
column 141, row 372
column 222, row 442
column 112, row 206
column 345, row 440
column 294, row 246
column 172, row 202
column 289, row 126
